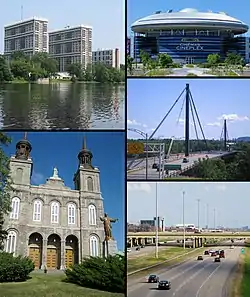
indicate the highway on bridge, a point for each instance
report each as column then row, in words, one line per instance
column 140, row 174
column 190, row 279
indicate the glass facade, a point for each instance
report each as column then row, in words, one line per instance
column 188, row 46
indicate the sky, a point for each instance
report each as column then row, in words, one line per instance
column 106, row 17
column 60, row 150
column 221, row 196
column 137, row 9
column 148, row 100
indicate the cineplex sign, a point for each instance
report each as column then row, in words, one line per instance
column 189, row 47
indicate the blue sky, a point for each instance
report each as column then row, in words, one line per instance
column 106, row 18
column 60, row 149
column 139, row 8
column 219, row 196
column 149, row 100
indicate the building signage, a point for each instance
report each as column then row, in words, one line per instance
column 190, row 47
column 190, row 40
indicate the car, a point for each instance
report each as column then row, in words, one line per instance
column 213, row 254
column 185, row 160
column 217, row 259
column 199, row 258
column 164, row 285
column 222, row 255
column 154, row 166
column 153, row 278
column 138, row 248
column 206, row 253
column 128, row 250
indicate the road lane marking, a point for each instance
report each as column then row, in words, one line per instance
column 190, row 278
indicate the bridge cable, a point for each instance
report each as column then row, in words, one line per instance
column 195, row 127
column 204, row 138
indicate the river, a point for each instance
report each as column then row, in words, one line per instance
column 62, row 106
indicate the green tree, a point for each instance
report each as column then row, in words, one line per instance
column 21, row 68
column 88, row 75
column 101, row 73
column 213, row 59
column 5, row 186
column 75, row 70
column 212, row 169
column 5, row 74
column 145, row 58
column 19, row 55
column 45, row 62
column 165, row 60
column 234, row 59
column 130, row 64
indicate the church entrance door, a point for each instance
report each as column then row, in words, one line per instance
column 52, row 258
column 35, row 256
column 69, row 258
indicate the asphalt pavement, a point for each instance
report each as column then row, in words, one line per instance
column 190, row 279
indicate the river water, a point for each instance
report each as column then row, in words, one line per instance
column 62, row 106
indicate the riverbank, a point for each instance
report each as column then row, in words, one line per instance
column 67, row 81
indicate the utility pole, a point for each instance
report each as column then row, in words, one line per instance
column 156, row 222
column 183, row 219
column 214, row 219
column 198, row 219
column 207, row 216
column 187, row 122
column 146, row 136
column 225, row 135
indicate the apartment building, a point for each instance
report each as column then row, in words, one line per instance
column 29, row 36
column 71, row 45
column 109, row 57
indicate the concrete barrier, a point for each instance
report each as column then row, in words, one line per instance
column 166, row 261
column 136, row 169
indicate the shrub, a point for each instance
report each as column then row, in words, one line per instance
column 106, row 274
column 191, row 74
column 14, row 269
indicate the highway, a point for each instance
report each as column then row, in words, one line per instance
column 154, row 174
column 190, row 279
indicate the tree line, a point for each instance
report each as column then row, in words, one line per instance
column 42, row 65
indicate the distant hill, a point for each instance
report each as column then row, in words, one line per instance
column 244, row 139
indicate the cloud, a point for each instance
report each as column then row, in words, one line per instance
column 215, row 124
column 233, row 117
column 37, row 178
column 135, row 123
column 182, row 122
column 141, row 187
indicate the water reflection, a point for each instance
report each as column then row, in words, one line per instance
column 62, row 106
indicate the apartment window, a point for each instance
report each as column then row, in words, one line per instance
column 92, row 215
column 94, row 246
column 71, row 213
column 15, row 205
column 36, row 26
column 11, row 242
column 37, row 210
column 54, row 212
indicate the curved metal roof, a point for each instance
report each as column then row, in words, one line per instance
column 190, row 18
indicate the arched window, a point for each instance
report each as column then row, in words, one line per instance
column 92, row 214
column 37, row 211
column 11, row 242
column 15, row 205
column 54, row 212
column 71, row 213
column 93, row 246
column 90, row 184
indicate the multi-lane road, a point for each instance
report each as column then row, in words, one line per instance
column 190, row 279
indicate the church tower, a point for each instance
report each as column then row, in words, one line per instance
column 21, row 164
column 87, row 182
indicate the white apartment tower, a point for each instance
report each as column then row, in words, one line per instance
column 71, row 45
column 29, row 36
column 109, row 57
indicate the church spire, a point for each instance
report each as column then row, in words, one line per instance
column 23, row 148
column 85, row 156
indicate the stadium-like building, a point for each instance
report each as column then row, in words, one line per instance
column 189, row 35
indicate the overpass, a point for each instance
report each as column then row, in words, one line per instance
column 145, row 238
column 169, row 165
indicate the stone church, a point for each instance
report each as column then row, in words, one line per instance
column 52, row 224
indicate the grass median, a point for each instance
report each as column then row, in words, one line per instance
column 49, row 285
column 245, row 283
column 166, row 254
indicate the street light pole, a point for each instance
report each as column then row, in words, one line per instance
column 146, row 137
column 183, row 219
column 156, row 222
column 198, row 219
column 207, row 215
column 214, row 218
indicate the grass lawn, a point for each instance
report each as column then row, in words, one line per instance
column 159, row 72
column 168, row 253
column 245, row 283
column 49, row 285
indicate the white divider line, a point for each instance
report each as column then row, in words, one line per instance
column 166, row 261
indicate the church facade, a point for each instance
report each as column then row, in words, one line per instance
column 52, row 224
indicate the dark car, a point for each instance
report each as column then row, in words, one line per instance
column 185, row 160
column 206, row 253
column 199, row 258
column 217, row 259
column 138, row 248
column 153, row 278
column 222, row 254
column 164, row 285
column 213, row 254
column 154, row 166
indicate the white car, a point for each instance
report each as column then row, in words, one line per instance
column 128, row 250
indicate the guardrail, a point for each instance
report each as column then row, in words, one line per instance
column 166, row 261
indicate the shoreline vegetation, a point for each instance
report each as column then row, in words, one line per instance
column 51, row 81
column 43, row 69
